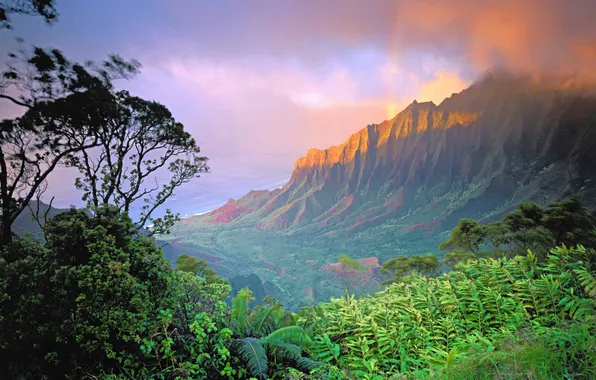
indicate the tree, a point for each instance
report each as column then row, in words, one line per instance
column 454, row 257
column 43, row 8
column 570, row 223
column 190, row 264
column 497, row 234
column 191, row 339
column 528, row 227
column 98, row 299
column 187, row 263
column 80, row 303
column 466, row 236
column 65, row 104
column 403, row 266
column 136, row 143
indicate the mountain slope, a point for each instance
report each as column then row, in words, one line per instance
column 399, row 186
column 25, row 223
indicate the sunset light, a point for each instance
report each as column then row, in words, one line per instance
column 297, row 189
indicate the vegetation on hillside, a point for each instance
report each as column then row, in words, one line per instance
column 528, row 227
column 480, row 319
column 96, row 299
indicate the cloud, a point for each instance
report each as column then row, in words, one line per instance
column 442, row 86
column 527, row 35
column 260, row 82
column 234, row 81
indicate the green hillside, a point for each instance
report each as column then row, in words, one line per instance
column 399, row 187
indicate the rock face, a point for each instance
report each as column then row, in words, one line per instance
column 398, row 187
column 498, row 142
column 356, row 278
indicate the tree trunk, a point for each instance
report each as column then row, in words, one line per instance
column 6, row 236
column 6, row 233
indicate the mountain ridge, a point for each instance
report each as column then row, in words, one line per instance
column 401, row 185
column 316, row 174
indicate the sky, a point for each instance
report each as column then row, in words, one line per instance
column 259, row 82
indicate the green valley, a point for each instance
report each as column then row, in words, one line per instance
column 454, row 240
column 399, row 187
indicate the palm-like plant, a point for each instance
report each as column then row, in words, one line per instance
column 267, row 334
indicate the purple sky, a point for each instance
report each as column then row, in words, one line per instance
column 260, row 82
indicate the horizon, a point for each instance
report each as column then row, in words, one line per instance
column 259, row 85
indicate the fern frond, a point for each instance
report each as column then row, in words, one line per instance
column 587, row 281
column 286, row 351
column 253, row 354
column 291, row 334
column 286, row 319
column 264, row 321
column 240, row 310
column 308, row 364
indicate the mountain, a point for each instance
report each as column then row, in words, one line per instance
column 398, row 187
column 25, row 223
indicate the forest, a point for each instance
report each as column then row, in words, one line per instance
column 95, row 298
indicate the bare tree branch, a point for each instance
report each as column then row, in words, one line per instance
column 67, row 104
column 140, row 142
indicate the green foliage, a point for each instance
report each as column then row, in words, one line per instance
column 564, row 352
column 351, row 263
column 187, row 263
column 467, row 236
column 455, row 257
column 252, row 352
column 190, row 264
column 527, row 227
column 430, row 325
column 268, row 341
column 82, row 301
column 99, row 298
column 402, row 266
column 570, row 223
column 192, row 339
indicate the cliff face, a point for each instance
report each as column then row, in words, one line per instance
column 499, row 142
column 398, row 187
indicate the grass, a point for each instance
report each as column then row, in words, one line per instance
column 556, row 353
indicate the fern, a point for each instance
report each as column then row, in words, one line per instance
column 290, row 334
column 587, row 280
column 264, row 320
column 253, row 354
column 308, row 364
column 239, row 312
column 408, row 324
column 286, row 351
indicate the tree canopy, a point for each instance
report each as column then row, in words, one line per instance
column 43, row 8
column 190, row 264
column 65, row 107
column 528, row 227
column 403, row 266
column 119, row 143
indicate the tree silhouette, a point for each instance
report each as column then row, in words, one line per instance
column 65, row 105
column 43, row 8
